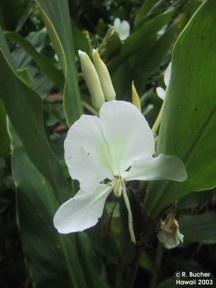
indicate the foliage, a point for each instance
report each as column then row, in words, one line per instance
column 42, row 93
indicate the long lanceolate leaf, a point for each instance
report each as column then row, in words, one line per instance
column 40, row 183
column 52, row 258
column 189, row 121
column 57, row 20
column 24, row 108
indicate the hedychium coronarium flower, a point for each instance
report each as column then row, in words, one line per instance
column 97, row 78
column 105, row 152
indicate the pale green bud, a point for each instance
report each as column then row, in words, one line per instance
column 135, row 97
column 104, row 76
column 92, row 80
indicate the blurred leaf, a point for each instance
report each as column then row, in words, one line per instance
column 45, row 64
column 57, row 20
column 196, row 199
column 143, row 35
column 81, row 39
column 106, row 237
column 139, row 56
column 13, row 14
column 52, row 258
column 188, row 124
column 146, row 262
column 155, row 54
column 144, row 11
column 4, row 138
column 168, row 283
column 199, row 228
column 89, row 256
column 24, row 108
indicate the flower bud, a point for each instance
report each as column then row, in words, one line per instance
column 135, row 97
column 92, row 80
column 103, row 73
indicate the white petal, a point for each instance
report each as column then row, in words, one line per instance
column 82, row 211
column 161, row 92
column 170, row 241
column 127, row 133
column 167, row 75
column 122, row 28
column 86, row 153
column 158, row 168
column 117, row 22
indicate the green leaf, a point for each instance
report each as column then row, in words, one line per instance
column 14, row 13
column 25, row 110
column 199, row 228
column 140, row 56
column 45, row 64
column 144, row 11
column 195, row 199
column 89, row 255
column 168, row 283
column 57, row 20
column 188, row 124
column 4, row 138
column 52, row 258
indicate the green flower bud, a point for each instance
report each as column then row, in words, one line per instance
column 92, row 80
column 104, row 76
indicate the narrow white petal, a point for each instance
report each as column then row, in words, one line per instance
column 158, row 168
column 127, row 133
column 130, row 216
column 161, row 92
column 82, row 211
column 86, row 153
column 117, row 22
column 167, row 75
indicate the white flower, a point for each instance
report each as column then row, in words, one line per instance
column 122, row 28
column 104, row 152
column 169, row 234
column 159, row 90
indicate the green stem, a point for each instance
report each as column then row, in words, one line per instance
column 157, row 265
column 127, row 272
column 158, row 120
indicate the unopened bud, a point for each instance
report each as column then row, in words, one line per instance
column 103, row 73
column 135, row 97
column 92, row 80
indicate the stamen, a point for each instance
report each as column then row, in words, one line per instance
column 118, row 186
column 130, row 216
